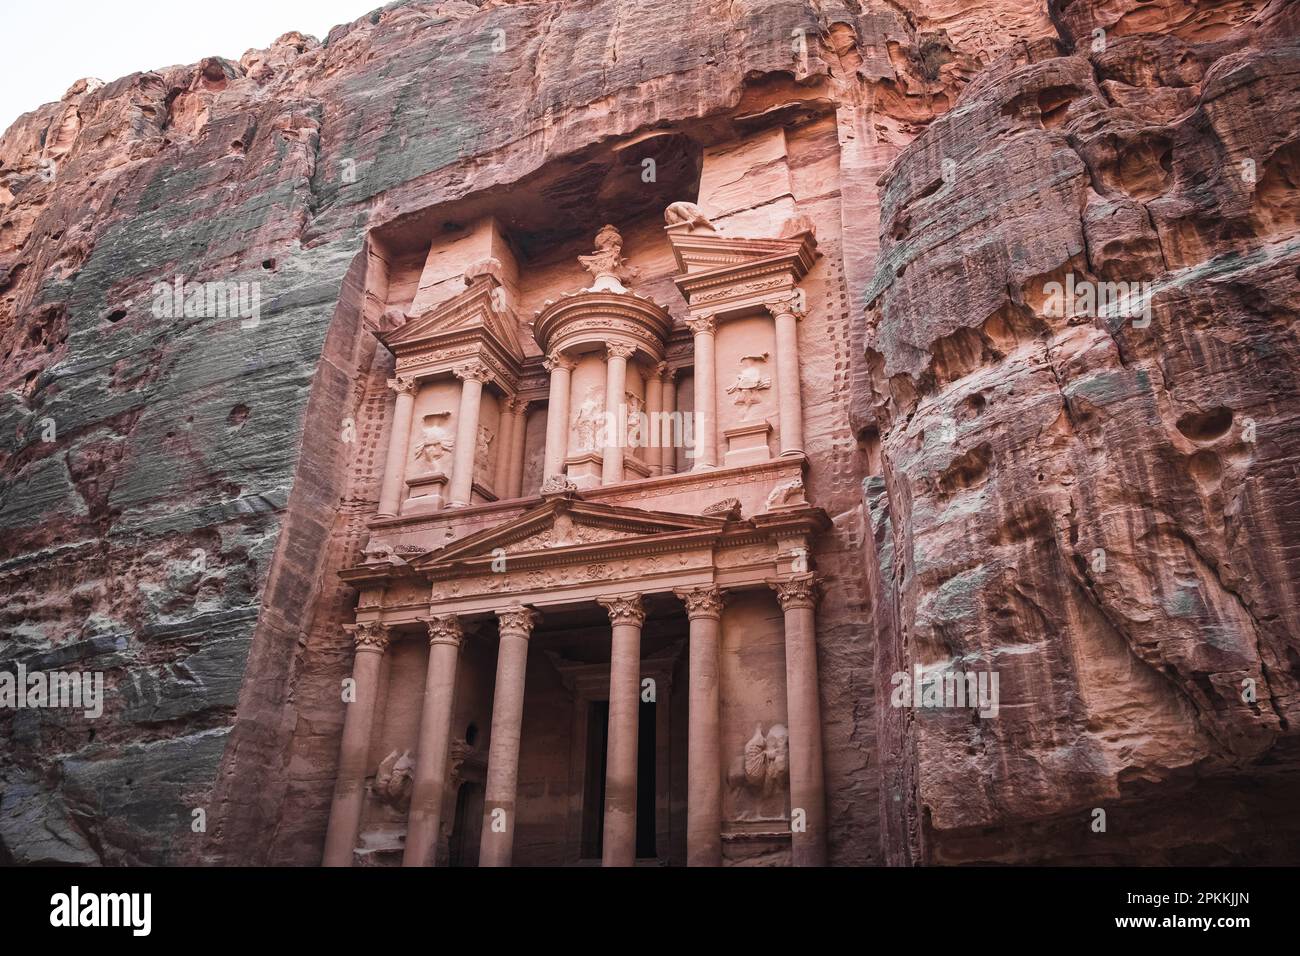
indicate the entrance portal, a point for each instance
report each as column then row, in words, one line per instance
column 593, row 802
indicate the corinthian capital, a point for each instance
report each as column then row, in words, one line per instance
column 369, row 636
column 444, row 630
column 558, row 360
column 624, row 609
column 700, row 324
column 801, row 590
column 619, row 350
column 792, row 304
column 402, row 385
column 476, row 371
column 517, row 620
column 704, row 601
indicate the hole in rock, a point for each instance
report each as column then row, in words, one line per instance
column 1206, row 426
column 238, row 415
column 268, row 263
column 117, row 315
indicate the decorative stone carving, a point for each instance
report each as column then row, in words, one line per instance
column 478, row 371
column 703, row 601
column 483, row 449
column 558, row 360
column 590, row 419
column 395, row 779
column 749, row 379
column 381, row 554
column 444, row 630
column 607, row 264
column 624, row 609
column 436, row 442
column 760, row 776
column 803, row 590
column 700, row 324
column 517, row 620
column 789, row 494
column 369, row 635
column 787, row 305
column 689, row 213
column 557, row 485
column 403, row 385
column 726, row 508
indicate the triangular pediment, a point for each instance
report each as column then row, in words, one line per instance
column 477, row 310
column 568, row 523
column 703, row 251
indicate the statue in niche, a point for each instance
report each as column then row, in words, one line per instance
column 395, row 779
column 759, row 776
column 590, row 420
column 606, row 263
column 688, row 212
column 749, row 379
column 482, row 448
column 436, row 442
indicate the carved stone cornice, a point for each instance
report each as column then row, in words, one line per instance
column 624, row 609
column 799, row 591
column 403, row 385
column 517, row 620
column 369, row 636
column 701, row 324
column 703, row 601
column 444, row 630
column 476, row 371
column 599, row 317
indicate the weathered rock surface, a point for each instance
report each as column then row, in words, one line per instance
column 175, row 493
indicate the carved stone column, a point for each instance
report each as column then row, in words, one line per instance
column 399, row 440
column 616, row 356
column 515, row 472
column 472, row 375
column 626, row 615
column 557, row 414
column 505, row 442
column 703, row 753
column 498, row 834
column 798, row 596
column 706, row 393
column 786, row 313
column 653, row 452
column 430, row 784
column 667, row 441
column 350, row 784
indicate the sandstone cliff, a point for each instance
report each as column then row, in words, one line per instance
column 176, row 492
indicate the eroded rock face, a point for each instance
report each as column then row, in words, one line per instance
column 176, row 492
column 1097, row 506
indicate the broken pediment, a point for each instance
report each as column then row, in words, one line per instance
column 481, row 311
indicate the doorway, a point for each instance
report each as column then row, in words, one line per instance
column 593, row 801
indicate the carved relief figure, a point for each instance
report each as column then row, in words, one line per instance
column 759, row 777
column 787, row 494
column 589, row 421
column 482, row 449
column 394, row 779
column 634, row 430
column 749, row 379
column 436, row 442
column 680, row 212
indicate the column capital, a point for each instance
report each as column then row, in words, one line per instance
column 619, row 350
column 702, row 601
column 702, row 324
column 444, row 630
column 624, row 609
column 369, row 636
column 517, row 406
column 787, row 305
column 403, row 385
column 558, row 360
column 517, row 620
column 476, row 371
column 662, row 372
column 801, row 590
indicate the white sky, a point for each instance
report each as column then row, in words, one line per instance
column 49, row 44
